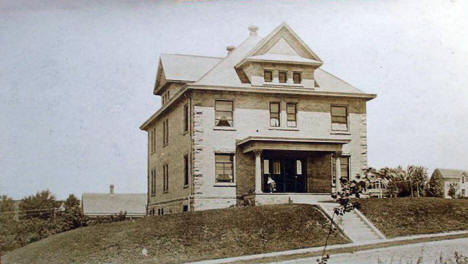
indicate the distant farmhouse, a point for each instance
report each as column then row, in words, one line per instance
column 106, row 204
column 262, row 125
column 457, row 178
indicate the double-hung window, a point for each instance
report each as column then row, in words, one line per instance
column 152, row 140
column 186, row 171
column 223, row 113
column 339, row 118
column 224, row 167
column 283, row 76
column 186, row 117
column 297, row 78
column 274, row 114
column 166, row 132
column 165, row 178
column 291, row 113
column 153, row 182
column 268, row 76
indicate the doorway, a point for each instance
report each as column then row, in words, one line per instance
column 289, row 175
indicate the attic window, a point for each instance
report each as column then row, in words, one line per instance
column 283, row 77
column 297, row 78
column 268, row 76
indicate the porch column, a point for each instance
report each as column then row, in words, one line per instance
column 258, row 171
column 338, row 171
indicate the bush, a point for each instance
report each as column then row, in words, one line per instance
column 452, row 191
column 35, row 224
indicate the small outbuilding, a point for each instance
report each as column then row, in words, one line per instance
column 106, row 204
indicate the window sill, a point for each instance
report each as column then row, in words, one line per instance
column 284, row 128
column 186, row 186
column 185, row 133
column 230, row 184
column 225, row 128
column 340, row 133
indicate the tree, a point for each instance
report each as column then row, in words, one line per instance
column 72, row 202
column 73, row 216
column 41, row 205
column 7, row 204
column 397, row 181
column 452, row 191
column 417, row 176
column 435, row 186
column 7, row 207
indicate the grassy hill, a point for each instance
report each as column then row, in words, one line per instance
column 184, row 237
column 410, row 216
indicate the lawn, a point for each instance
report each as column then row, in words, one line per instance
column 410, row 216
column 184, row 237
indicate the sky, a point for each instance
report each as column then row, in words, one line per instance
column 76, row 79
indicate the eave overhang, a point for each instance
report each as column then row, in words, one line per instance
column 306, row 62
column 251, row 144
column 249, row 89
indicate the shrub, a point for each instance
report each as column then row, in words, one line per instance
column 452, row 191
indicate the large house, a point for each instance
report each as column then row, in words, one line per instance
column 456, row 178
column 264, row 124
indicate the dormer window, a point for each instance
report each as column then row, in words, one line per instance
column 283, row 77
column 268, row 76
column 297, row 78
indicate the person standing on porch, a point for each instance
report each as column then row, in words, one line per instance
column 271, row 184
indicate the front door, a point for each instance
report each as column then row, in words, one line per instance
column 289, row 177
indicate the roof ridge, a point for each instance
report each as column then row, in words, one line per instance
column 451, row 169
column 192, row 55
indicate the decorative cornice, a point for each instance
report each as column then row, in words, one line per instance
column 256, row 89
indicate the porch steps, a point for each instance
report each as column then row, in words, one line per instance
column 354, row 224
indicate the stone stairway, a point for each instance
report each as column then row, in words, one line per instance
column 354, row 224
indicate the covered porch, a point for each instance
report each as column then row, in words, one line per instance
column 294, row 169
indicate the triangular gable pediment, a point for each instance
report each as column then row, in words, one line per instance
column 284, row 41
column 282, row 47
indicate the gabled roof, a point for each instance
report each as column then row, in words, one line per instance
column 281, row 45
column 275, row 37
column 182, row 68
column 330, row 83
column 223, row 73
column 451, row 174
column 186, row 67
column 95, row 204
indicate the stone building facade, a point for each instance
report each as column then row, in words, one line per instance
column 264, row 124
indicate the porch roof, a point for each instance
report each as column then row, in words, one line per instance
column 283, row 143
